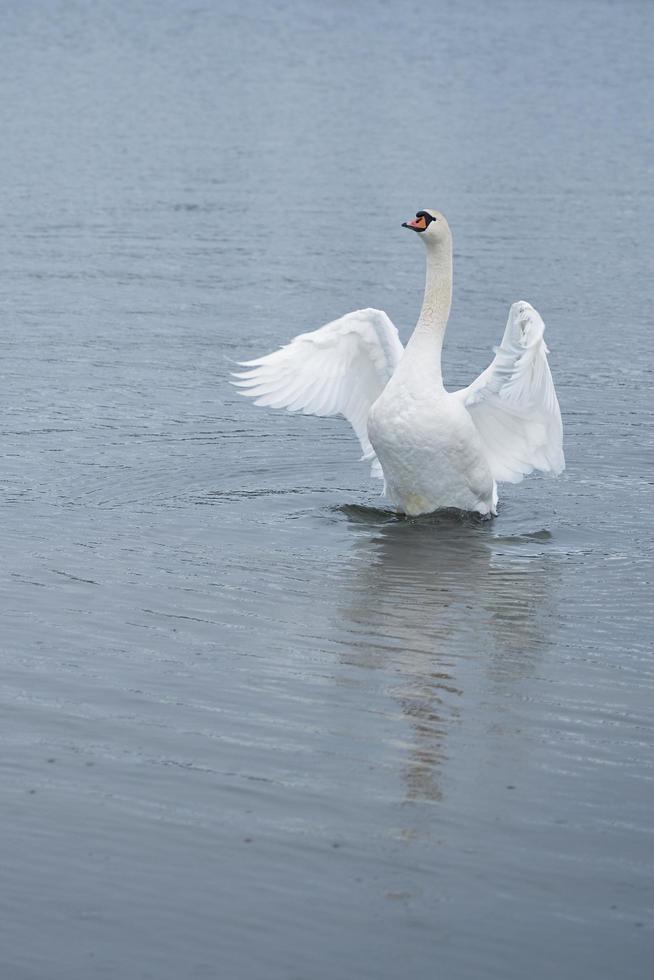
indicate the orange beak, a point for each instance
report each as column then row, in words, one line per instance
column 418, row 224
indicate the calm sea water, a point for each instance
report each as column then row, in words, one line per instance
column 253, row 728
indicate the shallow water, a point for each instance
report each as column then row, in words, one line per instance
column 253, row 725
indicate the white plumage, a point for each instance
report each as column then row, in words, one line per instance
column 340, row 369
column 432, row 448
column 514, row 405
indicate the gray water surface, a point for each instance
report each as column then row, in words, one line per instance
column 254, row 727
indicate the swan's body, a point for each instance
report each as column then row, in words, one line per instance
column 433, row 448
column 430, row 452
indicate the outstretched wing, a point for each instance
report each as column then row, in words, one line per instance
column 514, row 405
column 340, row 369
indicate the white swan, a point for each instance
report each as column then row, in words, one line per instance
column 433, row 449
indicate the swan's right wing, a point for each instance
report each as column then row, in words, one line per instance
column 340, row 369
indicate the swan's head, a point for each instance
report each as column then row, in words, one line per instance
column 431, row 225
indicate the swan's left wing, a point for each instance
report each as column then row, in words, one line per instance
column 514, row 405
column 339, row 369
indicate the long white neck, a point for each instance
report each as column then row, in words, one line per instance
column 422, row 357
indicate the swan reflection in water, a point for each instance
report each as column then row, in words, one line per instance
column 443, row 603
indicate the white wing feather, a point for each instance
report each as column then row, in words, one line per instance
column 339, row 369
column 514, row 405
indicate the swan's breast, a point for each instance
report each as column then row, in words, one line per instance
column 403, row 421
